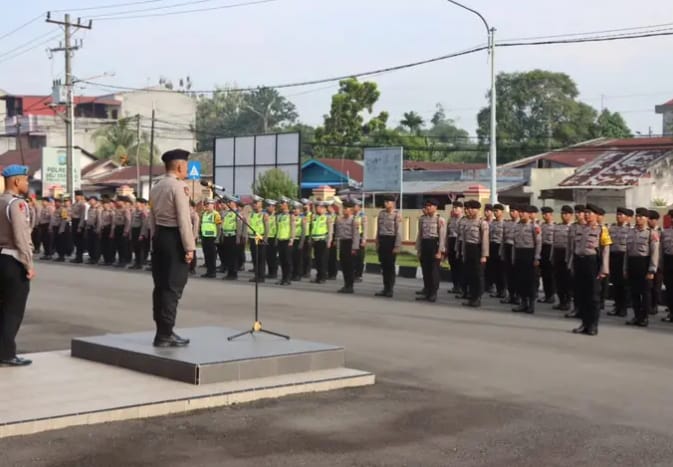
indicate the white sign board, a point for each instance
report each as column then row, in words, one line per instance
column 239, row 160
column 383, row 170
column 54, row 170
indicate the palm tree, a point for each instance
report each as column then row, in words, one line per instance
column 413, row 121
column 119, row 141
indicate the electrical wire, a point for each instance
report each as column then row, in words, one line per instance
column 155, row 8
column 587, row 33
column 29, row 49
column 35, row 39
column 18, row 28
column 182, row 12
column 112, row 5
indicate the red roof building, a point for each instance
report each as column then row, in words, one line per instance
column 85, row 106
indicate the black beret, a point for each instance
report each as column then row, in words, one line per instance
column 498, row 206
column 514, row 207
column 600, row 211
column 565, row 209
column 79, row 193
column 579, row 208
column 488, row 207
column 629, row 212
column 458, row 204
column 141, row 200
column 547, row 210
column 175, row 155
column 432, row 201
column 531, row 209
column 389, row 198
column 652, row 214
column 592, row 208
column 622, row 210
column 642, row 212
column 122, row 198
column 473, row 204
column 348, row 204
column 92, row 198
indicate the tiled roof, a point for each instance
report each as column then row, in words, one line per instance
column 124, row 175
column 354, row 169
column 423, row 165
column 31, row 157
column 668, row 104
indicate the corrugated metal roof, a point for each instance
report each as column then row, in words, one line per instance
column 617, row 168
column 438, row 187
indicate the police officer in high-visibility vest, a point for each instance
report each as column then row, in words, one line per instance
column 210, row 229
column 306, row 263
column 285, row 239
column 361, row 221
column 332, row 257
column 258, row 231
column 272, row 240
column 299, row 240
column 321, row 237
column 232, row 228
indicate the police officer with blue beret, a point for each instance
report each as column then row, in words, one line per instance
column 16, row 261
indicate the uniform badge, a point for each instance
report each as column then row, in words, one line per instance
column 187, row 190
column 655, row 236
column 537, row 230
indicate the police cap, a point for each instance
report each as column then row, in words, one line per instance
column 532, row 209
column 305, row 201
column 622, row 210
column 498, row 207
column 642, row 212
column 175, row 155
column 270, row 202
column 514, row 207
column 431, row 201
column 546, row 210
column 141, row 200
column 565, row 209
column 653, row 215
column 458, row 204
column 590, row 207
column 349, row 204
column 297, row 204
column 629, row 212
column 256, row 199
column 14, row 170
column 389, row 198
column 579, row 208
column 474, row 204
column 90, row 198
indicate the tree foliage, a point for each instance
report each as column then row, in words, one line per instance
column 231, row 113
column 612, row 125
column 539, row 110
column 413, row 122
column 119, row 142
column 273, row 184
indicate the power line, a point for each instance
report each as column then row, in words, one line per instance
column 29, row 49
column 35, row 39
column 574, row 34
column 154, row 8
column 182, row 12
column 113, row 5
column 18, row 28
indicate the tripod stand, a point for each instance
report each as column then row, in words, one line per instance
column 257, row 324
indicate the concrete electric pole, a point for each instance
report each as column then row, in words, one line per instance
column 68, row 48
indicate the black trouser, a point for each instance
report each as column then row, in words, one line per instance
column 306, row 264
column 230, row 250
column 47, row 240
column 641, row 287
column 241, row 255
column 93, row 244
column 387, row 261
column 332, row 266
column 587, row 289
column 547, row 272
column 271, row 257
column 668, row 281
column 359, row 260
column 562, row 276
column 526, row 275
column 258, row 253
column 35, row 236
column 63, row 242
column 320, row 256
column 107, row 245
column 78, row 239
column 463, row 273
column 137, row 246
column 14, row 289
column 617, row 280
column 508, row 270
column 170, row 273
column 430, row 266
column 474, row 271
column 347, row 260
column 285, row 257
column 222, row 254
column 656, row 289
column 454, row 263
column 297, row 259
column 209, row 254
column 495, row 268
column 121, row 244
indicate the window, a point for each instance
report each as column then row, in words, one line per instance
column 114, row 114
column 37, row 141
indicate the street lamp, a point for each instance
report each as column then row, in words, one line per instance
column 493, row 151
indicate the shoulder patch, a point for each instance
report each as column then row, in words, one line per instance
column 537, row 230
column 655, row 236
column 186, row 190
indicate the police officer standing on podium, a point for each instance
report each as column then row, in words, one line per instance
column 173, row 246
column 16, row 261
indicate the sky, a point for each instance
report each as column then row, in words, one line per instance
column 296, row 40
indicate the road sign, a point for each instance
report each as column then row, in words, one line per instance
column 194, row 170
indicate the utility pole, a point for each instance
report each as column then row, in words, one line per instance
column 152, row 145
column 19, row 146
column 139, row 194
column 68, row 49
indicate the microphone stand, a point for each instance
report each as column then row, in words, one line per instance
column 257, row 324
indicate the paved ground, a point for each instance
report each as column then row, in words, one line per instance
column 457, row 387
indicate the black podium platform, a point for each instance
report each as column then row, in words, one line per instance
column 210, row 357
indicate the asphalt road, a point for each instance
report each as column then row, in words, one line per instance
column 456, row 387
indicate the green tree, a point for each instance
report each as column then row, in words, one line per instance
column 230, row 113
column 121, row 139
column 612, row 125
column 275, row 183
column 413, row 122
column 345, row 125
column 537, row 109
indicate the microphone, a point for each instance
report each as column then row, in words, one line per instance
column 212, row 186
